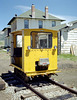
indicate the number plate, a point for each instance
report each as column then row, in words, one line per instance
column 43, row 62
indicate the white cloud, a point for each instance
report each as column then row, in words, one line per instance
column 66, row 17
column 22, row 8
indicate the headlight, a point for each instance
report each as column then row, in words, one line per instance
column 55, row 47
column 28, row 47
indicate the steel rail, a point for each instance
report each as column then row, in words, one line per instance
column 29, row 87
column 62, row 86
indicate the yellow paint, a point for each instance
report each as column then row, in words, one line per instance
column 16, row 67
column 29, row 57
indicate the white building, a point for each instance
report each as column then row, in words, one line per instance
column 67, row 36
column 7, row 41
column 34, row 18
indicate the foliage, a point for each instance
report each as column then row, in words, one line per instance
column 1, row 36
column 1, row 50
column 1, row 43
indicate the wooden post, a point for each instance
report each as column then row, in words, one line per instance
column 59, row 42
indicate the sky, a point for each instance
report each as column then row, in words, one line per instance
column 64, row 9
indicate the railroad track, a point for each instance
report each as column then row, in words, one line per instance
column 45, row 89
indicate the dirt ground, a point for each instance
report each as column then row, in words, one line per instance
column 68, row 74
column 4, row 62
column 68, row 69
column 4, row 67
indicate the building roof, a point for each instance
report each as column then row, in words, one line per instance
column 62, row 26
column 38, row 15
column 75, row 29
column 59, row 27
column 7, row 28
column 73, row 22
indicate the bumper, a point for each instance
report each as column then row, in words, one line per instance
column 35, row 73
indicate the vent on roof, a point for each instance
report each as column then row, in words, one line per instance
column 15, row 15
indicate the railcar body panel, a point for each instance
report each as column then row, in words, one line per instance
column 37, row 54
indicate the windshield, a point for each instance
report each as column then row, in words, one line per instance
column 41, row 40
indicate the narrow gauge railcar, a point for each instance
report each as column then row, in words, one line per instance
column 34, row 52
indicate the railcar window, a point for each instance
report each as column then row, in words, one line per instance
column 18, row 41
column 41, row 40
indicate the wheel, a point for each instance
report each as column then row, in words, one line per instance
column 15, row 71
column 49, row 75
column 22, row 75
column 26, row 79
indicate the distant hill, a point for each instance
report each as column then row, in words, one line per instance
column 1, row 35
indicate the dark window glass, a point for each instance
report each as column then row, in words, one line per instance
column 53, row 23
column 40, row 24
column 41, row 40
column 43, row 43
column 26, row 23
column 9, row 30
column 50, row 40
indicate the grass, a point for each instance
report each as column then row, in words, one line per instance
column 68, row 56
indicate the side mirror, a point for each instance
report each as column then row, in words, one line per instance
column 29, row 47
